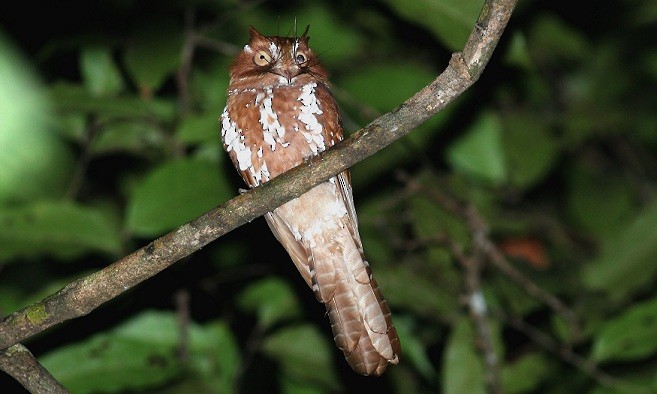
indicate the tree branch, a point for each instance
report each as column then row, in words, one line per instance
column 85, row 294
column 19, row 362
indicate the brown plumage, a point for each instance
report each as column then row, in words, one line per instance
column 280, row 111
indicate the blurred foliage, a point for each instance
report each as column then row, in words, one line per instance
column 109, row 138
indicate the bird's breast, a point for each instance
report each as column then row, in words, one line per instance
column 270, row 130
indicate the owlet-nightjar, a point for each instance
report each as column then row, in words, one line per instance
column 280, row 112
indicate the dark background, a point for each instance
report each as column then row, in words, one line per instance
column 105, row 144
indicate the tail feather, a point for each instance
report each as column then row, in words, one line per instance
column 326, row 248
column 360, row 318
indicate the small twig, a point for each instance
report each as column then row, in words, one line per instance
column 498, row 260
column 93, row 128
column 473, row 264
column 19, row 362
column 240, row 8
column 181, row 299
column 187, row 55
column 479, row 311
column 572, row 358
column 479, row 230
column 221, row 47
column 451, row 204
column 635, row 171
column 366, row 111
column 477, row 301
column 253, row 344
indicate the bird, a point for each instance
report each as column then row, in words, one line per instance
column 279, row 113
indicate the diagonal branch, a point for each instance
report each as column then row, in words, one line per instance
column 19, row 362
column 85, row 294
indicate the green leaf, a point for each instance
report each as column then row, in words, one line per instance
column 480, row 152
column 518, row 53
column 423, row 298
column 402, row 80
column 304, row 355
column 138, row 354
column 449, row 20
column 551, row 37
column 271, row 299
column 599, row 200
column 628, row 257
column 414, row 350
column 154, row 53
column 157, row 328
column 462, row 369
column 12, row 297
column 431, row 219
column 529, row 148
column 629, row 336
column 227, row 355
column 291, row 386
column 74, row 98
column 134, row 136
column 34, row 162
column 213, row 358
column 175, row 193
column 208, row 85
column 61, row 228
column 525, row 375
column 195, row 129
column 101, row 76
column 141, row 353
column 111, row 364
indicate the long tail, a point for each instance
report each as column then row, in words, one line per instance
column 359, row 315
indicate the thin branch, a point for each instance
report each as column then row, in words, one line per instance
column 484, row 248
column 496, row 257
column 92, row 130
column 493, row 254
column 84, row 295
column 18, row 362
column 218, row 46
column 181, row 299
column 572, row 358
column 187, row 55
column 253, row 345
column 473, row 264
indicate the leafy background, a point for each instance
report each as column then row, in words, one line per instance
column 109, row 138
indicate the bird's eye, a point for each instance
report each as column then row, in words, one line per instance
column 300, row 58
column 262, row 58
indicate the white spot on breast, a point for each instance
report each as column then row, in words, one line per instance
column 233, row 139
column 309, row 109
column 260, row 175
column 273, row 131
column 264, row 171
